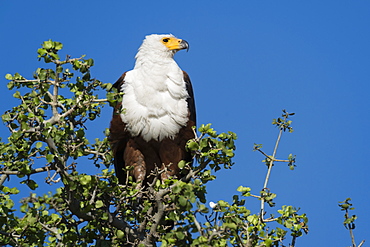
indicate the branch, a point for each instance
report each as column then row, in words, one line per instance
column 293, row 241
column 255, row 196
column 271, row 158
column 54, row 230
column 145, row 221
column 99, row 100
column 352, row 237
column 37, row 170
column 198, row 225
column 38, row 81
column 161, row 207
column 270, row 220
column 10, row 234
column 3, row 178
column 74, row 206
column 192, row 173
column 93, row 196
column 125, row 227
column 68, row 60
column 54, row 103
column 271, row 163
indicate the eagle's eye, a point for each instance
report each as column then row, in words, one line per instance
column 165, row 40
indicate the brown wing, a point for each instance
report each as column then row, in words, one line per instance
column 118, row 136
column 191, row 100
column 145, row 156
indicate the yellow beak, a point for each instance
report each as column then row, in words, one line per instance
column 175, row 44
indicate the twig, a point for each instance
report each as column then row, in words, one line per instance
column 92, row 200
column 270, row 165
column 255, row 196
column 99, row 100
column 293, row 241
column 68, row 60
column 198, row 225
column 271, row 158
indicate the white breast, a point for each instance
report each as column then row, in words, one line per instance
column 154, row 102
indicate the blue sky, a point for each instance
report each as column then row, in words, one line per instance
column 248, row 60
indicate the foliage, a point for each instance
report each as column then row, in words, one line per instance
column 349, row 221
column 47, row 136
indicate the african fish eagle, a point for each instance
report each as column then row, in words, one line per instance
column 151, row 126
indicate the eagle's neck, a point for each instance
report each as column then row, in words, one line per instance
column 155, row 97
column 146, row 56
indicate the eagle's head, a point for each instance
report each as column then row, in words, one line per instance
column 164, row 45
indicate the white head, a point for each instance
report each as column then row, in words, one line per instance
column 161, row 46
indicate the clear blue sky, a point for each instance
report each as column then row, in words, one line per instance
column 248, row 60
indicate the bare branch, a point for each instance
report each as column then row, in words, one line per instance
column 92, row 200
column 54, row 230
column 198, row 225
column 37, row 170
column 270, row 165
column 99, row 100
column 68, row 60
column 3, row 178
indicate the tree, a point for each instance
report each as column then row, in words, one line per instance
column 47, row 136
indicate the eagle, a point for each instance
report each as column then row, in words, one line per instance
column 151, row 126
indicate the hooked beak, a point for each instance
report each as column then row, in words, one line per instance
column 184, row 45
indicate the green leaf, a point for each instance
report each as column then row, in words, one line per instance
column 204, row 128
column 38, row 145
column 86, row 77
column 49, row 157
column 32, row 184
column 230, row 225
column 99, row 204
column 180, row 235
column 10, row 85
column 86, row 179
column 253, row 219
column 5, row 189
column 8, row 77
column 182, row 200
column 58, row 45
column 14, row 190
column 41, row 52
column 192, row 145
column 182, row 164
column 107, row 86
column 6, row 117
column 90, row 62
column 222, row 203
column 17, row 95
column 54, row 56
column 48, row 44
column 59, row 69
column 229, row 153
column 268, row 242
column 120, row 234
column 80, row 133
